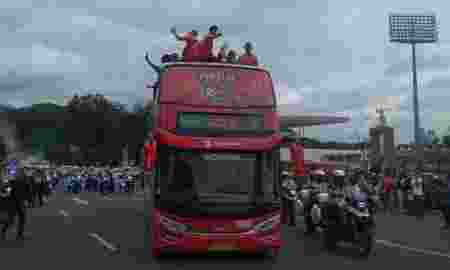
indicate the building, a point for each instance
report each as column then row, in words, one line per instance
column 382, row 152
column 313, row 157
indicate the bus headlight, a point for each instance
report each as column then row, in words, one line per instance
column 173, row 226
column 267, row 225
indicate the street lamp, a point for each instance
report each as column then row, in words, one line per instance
column 413, row 29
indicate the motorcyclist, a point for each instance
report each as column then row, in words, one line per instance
column 316, row 178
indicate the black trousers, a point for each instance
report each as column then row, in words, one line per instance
column 16, row 209
column 40, row 193
column 445, row 209
column 288, row 212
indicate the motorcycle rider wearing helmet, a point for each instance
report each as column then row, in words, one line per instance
column 316, row 178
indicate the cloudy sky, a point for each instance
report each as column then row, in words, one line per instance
column 325, row 56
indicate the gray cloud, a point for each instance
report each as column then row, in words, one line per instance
column 58, row 47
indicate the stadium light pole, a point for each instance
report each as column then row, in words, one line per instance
column 414, row 29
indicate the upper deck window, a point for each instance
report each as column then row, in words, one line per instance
column 216, row 86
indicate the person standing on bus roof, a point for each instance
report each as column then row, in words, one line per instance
column 206, row 45
column 221, row 56
column 248, row 58
column 190, row 40
column 231, row 57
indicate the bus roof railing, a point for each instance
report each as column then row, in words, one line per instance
column 212, row 64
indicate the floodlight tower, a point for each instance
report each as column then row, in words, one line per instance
column 414, row 29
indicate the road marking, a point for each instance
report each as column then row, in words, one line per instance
column 64, row 213
column 79, row 201
column 103, row 242
column 416, row 250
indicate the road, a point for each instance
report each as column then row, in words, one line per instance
column 89, row 231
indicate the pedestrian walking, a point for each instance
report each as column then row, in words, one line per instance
column 16, row 205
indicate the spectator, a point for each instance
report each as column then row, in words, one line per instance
column 231, row 57
column 387, row 191
column 402, row 191
column 169, row 58
column 221, row 56
column 297, row 157
column 248, row 58
column 149, row 160
column 190, row 39
column 418, row 194
column 205, row 46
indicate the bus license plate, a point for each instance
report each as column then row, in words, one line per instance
column 222, row 246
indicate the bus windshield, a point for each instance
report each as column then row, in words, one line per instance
column 219, row 86
column 211, row 182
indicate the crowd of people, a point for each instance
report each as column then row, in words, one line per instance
column 198, row 49
column 31, row 185
column 405, row 193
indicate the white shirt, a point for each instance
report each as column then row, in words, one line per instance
column 417, row 186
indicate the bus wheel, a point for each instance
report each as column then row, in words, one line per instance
column 156, row 253
column 272, row 253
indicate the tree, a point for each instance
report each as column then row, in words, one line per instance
column 93, row 126
column 445, row 140
column 433, row 138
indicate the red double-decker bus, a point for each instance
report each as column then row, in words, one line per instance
column 216, row 184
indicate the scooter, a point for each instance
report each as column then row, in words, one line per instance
column 350, row 221
column 315, row 202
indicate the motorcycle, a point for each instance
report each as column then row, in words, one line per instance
column 350, row 221
column 315, row 202
column 130, row 184
column 289, row 192
column 75, row 185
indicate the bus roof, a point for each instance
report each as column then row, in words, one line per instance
column 211, row 64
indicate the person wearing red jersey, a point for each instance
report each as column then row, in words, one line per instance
column 190, row 39
column 248, row 58
column 222, row 54
column 149, row 160
column 204, row 48
column 298, row 158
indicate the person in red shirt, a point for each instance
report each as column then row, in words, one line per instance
column 388, row 183
column 190, row 39
column 222, row 54
column 231, row 57
column 298, row 157
column 205, row 46
column 149, row 159
column 248, row 58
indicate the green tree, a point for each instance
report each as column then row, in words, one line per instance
column 445, row 140
column 434, row 138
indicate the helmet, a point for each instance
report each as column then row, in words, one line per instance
column 339, row 173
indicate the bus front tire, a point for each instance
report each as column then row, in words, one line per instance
column 272, row 253
column 156, row 253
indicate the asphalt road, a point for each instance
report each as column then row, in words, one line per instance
column 88, row 232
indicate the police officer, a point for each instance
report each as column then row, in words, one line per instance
column 17, row 204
